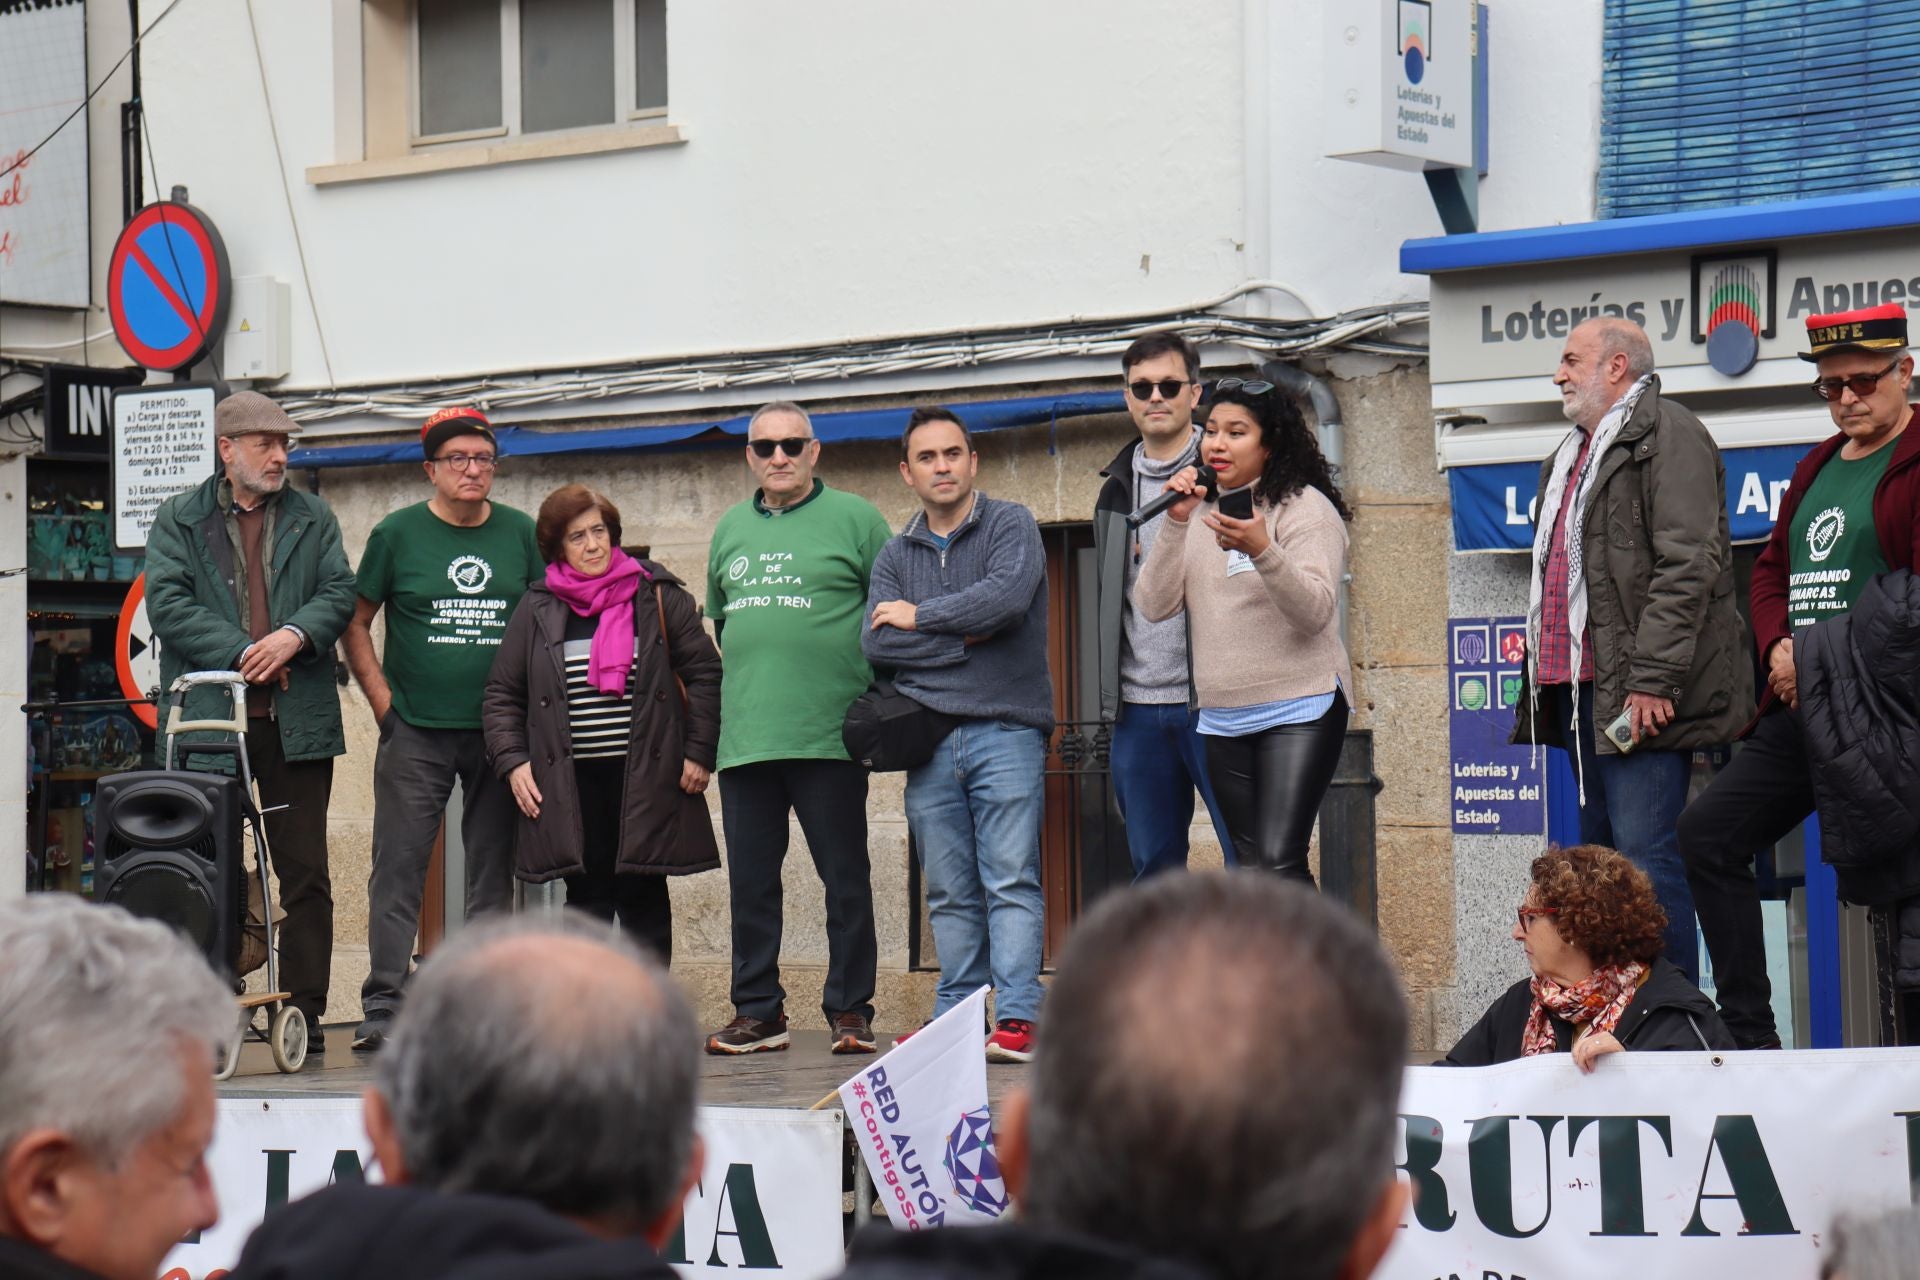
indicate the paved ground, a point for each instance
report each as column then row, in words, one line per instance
column 795, row 1078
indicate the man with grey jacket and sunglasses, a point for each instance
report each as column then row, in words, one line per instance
column 958, row 610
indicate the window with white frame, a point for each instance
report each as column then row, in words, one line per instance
column 505, row 68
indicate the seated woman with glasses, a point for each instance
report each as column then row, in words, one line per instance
column 603, row 714
column 1594, row 935
column 1255, row 553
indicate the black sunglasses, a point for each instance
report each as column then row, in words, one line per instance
column 792, row 446
column 1244, row 386
column 1861, row 384
column 1168, row 388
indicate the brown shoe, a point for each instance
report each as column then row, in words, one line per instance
column 852, row 1034
column 749, row 1035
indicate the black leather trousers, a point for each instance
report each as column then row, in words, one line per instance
column 1269, row 785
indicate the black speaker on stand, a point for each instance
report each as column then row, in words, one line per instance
column 168, row 848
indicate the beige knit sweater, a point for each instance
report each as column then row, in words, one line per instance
column 1266, row 633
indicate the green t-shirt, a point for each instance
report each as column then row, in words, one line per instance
column 448, row 592
column 791, row 587
column 1832, row 539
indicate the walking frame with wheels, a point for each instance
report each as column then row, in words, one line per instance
column 285, row 1032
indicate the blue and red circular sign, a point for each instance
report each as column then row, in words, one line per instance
column 168, row 286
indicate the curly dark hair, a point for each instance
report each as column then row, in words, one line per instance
column 1294, row 460
column 565, row 505
column 1603, row 904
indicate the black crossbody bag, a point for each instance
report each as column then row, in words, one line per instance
column 886, row 731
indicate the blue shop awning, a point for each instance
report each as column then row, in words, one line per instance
column 857, row 424
column 1492, row 503
column 1698, row 229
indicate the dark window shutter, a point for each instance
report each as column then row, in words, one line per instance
column 1725, row 102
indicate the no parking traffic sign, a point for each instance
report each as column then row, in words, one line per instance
column 168, row 286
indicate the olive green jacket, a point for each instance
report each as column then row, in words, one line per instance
column 194, row 606
column 1661, row 613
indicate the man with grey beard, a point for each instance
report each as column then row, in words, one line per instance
column 246, row 574
column 1635, row 650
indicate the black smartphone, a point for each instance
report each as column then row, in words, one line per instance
column 1237, row 503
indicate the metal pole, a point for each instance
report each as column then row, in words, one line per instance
column 1347, row 847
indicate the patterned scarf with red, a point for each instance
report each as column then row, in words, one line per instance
column 1598, row 1002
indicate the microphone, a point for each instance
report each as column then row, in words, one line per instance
column 1206, row 484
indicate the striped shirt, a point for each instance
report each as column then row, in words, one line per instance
column 597, row 722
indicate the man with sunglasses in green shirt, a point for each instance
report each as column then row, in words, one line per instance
column 1848, row 514
column 787, row 589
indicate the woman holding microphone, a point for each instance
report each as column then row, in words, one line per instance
column 1259, row 573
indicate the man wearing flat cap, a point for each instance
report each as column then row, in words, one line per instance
column 248, row 574
column 448, row 572
column 1848, row 515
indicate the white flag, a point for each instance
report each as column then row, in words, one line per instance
column 920, row 1116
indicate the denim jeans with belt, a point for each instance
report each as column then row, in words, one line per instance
column 974, row 811
column 1633, row 804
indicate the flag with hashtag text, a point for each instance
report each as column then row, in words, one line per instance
column 921, row 1118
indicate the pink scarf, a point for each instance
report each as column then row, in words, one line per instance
column 610, row 597
column 1598, row 1002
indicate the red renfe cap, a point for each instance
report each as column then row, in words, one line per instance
column 459, row 420
column 1881, row 328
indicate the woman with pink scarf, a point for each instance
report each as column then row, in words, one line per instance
column 602, row 714
column 1593, row 934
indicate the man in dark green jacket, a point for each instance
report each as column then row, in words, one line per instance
column 245, row 574
column 1635, row 651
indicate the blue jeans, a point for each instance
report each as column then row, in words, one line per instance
column 974, row 811
column 1633, row 805
column 1158, row 759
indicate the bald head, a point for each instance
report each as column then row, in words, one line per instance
column 1257, row 1141
column 1602, row 360
column 546, row 1059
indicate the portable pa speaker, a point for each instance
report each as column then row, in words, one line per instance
column 168, row 847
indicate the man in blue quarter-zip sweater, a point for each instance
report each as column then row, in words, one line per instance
column 957, row 609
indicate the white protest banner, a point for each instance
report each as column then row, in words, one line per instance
column 768, row 1199
column 1657, row 1164
column 921, row 1119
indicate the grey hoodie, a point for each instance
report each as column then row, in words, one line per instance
column 989, row 581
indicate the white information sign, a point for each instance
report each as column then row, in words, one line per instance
column 43, row 193
column 162, row 443
column 1657, row 1164
column 1400, row 80
column 768, row 1201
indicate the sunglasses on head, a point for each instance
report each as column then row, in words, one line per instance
column 1244, row 386
column 1861, row 384
column 1167, row 387
column 792, row 446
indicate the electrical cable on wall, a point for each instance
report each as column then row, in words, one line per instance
column 1375, row 330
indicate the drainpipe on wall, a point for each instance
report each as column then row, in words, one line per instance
column 1348, row 846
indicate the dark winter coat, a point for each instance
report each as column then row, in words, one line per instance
column 196, row 616
column 1006, row 1250
column 1667, row 1013
column 523, row 714
column 21, row 1261
column 354, row 1229
column 1896, row 503
column 1859, row 678
column 1661, row 613
column 1112, row 544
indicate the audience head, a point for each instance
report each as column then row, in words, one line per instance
column 109, row 1030
column 546, row 1059
column 1587, row 908
column 1882, row 1248
column 1269, row 1154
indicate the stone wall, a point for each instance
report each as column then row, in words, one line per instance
column 671, row 502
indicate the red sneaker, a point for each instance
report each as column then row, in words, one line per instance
column 1011, row 1041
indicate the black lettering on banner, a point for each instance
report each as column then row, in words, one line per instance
column 1490, row 1170
column 1754, row 1188
column 1913, row 1152
column 1425, row 1141
column 1623, row 1208
column 749, row 1223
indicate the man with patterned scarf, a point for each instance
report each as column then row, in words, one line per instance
column 1634, row 649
